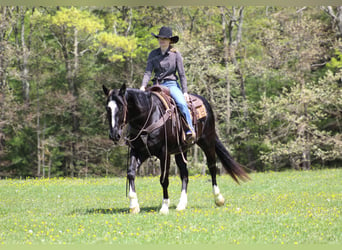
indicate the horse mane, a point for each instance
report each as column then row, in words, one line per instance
column 138, row 97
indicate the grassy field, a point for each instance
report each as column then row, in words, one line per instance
column 290, row 208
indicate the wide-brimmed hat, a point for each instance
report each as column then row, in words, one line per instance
column 166, row 32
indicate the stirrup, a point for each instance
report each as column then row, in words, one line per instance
column 190, row 136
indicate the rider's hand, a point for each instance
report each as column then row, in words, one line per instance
column 142, row 88
column 186, row 96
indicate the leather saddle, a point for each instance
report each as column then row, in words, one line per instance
column 195, row 105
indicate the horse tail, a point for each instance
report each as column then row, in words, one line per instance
column 234, row 169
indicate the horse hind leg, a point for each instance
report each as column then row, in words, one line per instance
column 211, row 161
column 219, row 199
column 184, row 174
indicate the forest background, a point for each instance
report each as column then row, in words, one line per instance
column 272, row 75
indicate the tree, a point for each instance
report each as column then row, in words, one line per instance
column 294, row 120
column 270, row 73
column 336, row 18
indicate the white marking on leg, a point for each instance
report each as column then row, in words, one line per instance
column 113, row 107
column 216, row 190
column 133, row 202
column 165, row 206
column 219, row 199
column 183, row 201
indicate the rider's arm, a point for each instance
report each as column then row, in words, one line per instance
column 181, row 72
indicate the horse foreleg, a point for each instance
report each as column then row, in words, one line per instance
column 135, row 162
column 164, row 181
column 184, row 175
column 133, row 200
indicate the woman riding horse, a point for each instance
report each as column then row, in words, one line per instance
column 165, row 62
column 140, row 111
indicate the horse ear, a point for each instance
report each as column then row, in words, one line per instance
column 105, row 90
column 122, row 90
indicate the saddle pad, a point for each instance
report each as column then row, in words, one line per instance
column 197, row 107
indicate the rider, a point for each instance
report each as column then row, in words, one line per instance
column 165, row 62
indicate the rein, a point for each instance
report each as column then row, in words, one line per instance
column 125, row 106
column 141, row 130
column 148, row 129
column 162, row 120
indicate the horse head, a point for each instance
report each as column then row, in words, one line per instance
column 116, row 111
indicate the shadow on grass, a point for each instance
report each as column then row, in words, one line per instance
column 144, row 210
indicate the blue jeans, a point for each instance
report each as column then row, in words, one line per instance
column 177, row 95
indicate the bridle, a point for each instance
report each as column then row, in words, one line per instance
column 125, row 122
column 125, row 110
column 144, row 128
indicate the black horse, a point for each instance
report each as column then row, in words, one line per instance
column 141, row 110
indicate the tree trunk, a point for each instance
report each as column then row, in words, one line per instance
column 226, row 62
column 39, row 148
column 25, row 55
column 306, row 161
column 73, row 88
column 336, row 18
column 339, row 20
column 235, row 20
column 75, row 68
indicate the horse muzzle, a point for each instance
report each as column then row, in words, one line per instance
column 115, row 135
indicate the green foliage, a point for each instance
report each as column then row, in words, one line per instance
column 74, row 18
column 20, row 156
column 116, row 47
column 336, row 62
column 293, row 120
column 276, row 97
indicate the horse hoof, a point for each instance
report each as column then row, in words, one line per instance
column 181, row 207
column 165, row 207
column 164, row 211
column 219, row 200
column 134, row 210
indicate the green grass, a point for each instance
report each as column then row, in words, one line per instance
column 290, row 208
